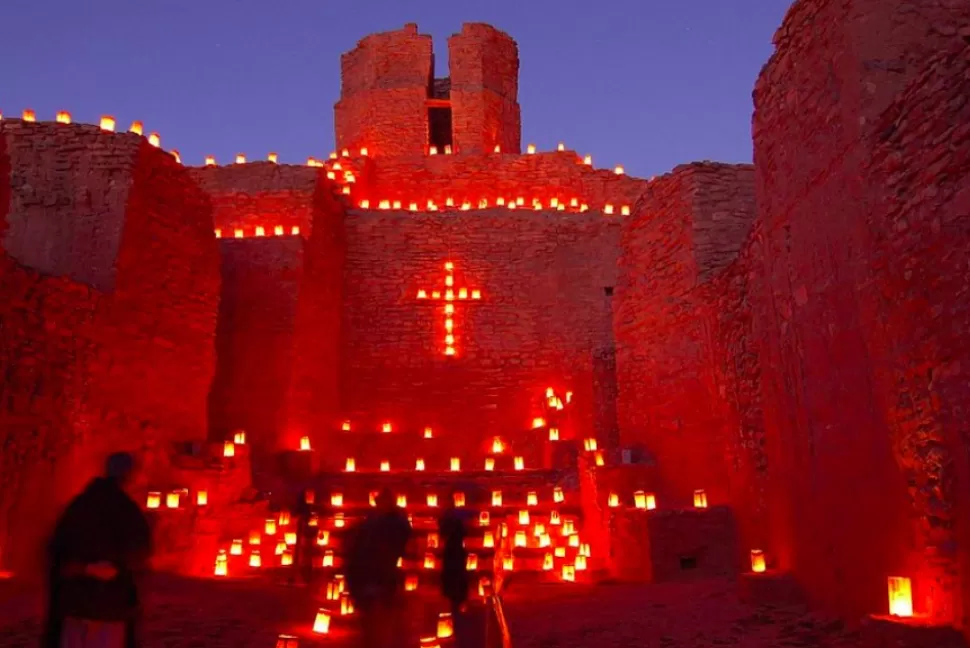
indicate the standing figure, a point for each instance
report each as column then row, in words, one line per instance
column 374, row 580
column 454, row 572
column 97, row 554
column 303, row 551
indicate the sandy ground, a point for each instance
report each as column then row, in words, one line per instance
column 183, row 613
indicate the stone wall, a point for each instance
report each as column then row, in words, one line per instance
column 860, row 448
column 484, row 67
column 279, row 310
column 542, row 314
column 733, row 297
column 472, row 178
column 109, row 351
column 384, row 92
column 687, row 226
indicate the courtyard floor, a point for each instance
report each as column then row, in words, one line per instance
column 183, row 613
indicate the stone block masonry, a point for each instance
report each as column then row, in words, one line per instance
column 863, row 314
column 686, row 227
column 110, row 287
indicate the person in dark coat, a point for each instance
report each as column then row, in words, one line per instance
column 454, row 573
column 305, row 536
column 98, row 551
column 374, row 581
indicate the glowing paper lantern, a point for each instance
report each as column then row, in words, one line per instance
column 304, row 443
column 618, row 169
column 489, row 464
column 350, row 465
column 222, row 564
column 758, row 561
column 419, row 464
column 557, row 495
column 498, row 447
column 284, row 518
column 239, row 437
column 520, row 539
column 254, row 560
column 327, row 560
column 154, row 500
column 488, row 540
column 531, row 499
column 524, row 517
column 530, row 149
column 547, row 562
column 385, row 466
column 323, row 538
column 700, row 499
column 429, row 561
column 321, row 624
column 508, row 563
column 455, row 464
column 210, row 160
column 172, row 499
column 155, row 139
column 446, row 626
column 568, row 573
column 287, row 641
column 483, row 519
column 614, row 500
column 900, row 596
column 402, row 501
column 553, row 434
column 270, row 527
column 589, row 445
column 236, row 548
column 410, row 583
column 28, row 115
column 63, row 117
column 107, row 123
column 538, row 423
column 497, row 498
column 519, row 463
column 229, row 449
column 254, row 538
column 272, row 158
column 459, row 500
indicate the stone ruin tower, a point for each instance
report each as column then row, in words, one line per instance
column 392, row 104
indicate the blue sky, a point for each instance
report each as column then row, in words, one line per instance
column 644, row 83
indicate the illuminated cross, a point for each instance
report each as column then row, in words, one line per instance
column 449, row 297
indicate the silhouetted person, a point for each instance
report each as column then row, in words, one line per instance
column 374, row 580
column 99, row 549
column 305, row 537
column 454, row 572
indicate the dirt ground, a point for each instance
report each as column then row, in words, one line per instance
column 184, row 613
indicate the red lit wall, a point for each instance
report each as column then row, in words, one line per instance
column 864, row 300
column 543, row 176
column 687, row 226
column 384, row 92
column 109, row 350
column 483, row 64
column 542, row 314
column 280, row 303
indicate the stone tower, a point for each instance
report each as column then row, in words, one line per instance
column 391, row 104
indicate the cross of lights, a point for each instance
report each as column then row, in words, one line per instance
column 449, row 296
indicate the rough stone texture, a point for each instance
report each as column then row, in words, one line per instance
column 105, row 352
column 542, row 313
column 484, row 69
column 733, row 297
column 384, row 92
column 674, row 544
column 863, row 360
column 279, row 319
column 686, row 227
column 543, row 176
column 264, row 194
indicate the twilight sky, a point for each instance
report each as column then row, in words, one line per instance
column 644, row 83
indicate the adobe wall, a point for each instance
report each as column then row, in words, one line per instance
column 384, row 92
column 542, row 314
column 687, row 226
column 122, row 363
column 280, row 302
column 859, row 446
column 483, row 65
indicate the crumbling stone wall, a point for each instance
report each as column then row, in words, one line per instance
column 121, row 362
column 483, row 63
column 861, row 459
column 542, row 313
column 687, row 226
column 384, row 92
column 279, row 310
